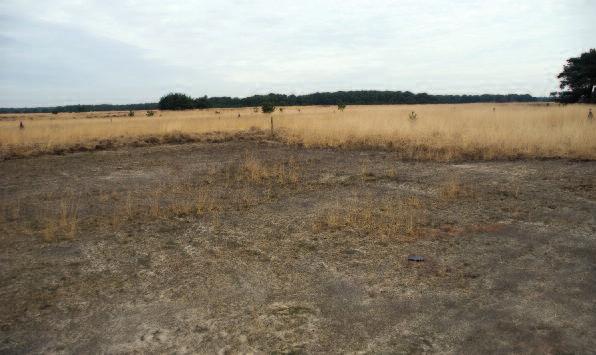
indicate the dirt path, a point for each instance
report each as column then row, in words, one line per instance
column 256, row 246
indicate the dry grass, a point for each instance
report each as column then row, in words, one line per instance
column 452, row 189
column 440, row 132
column 256, row 171
column 372, row 217
column 236, row 186
column 448, row 132
column 60, row 219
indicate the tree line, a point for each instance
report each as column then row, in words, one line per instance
column 179, row 101
column 81, row 108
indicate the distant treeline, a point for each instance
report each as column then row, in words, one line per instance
column 320, row 98
column 363, row 98
column 81, row 108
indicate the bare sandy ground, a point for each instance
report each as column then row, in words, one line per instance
column 190, row 248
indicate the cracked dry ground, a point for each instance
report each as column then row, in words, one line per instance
column 247, row 246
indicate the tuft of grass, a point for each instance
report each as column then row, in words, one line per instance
column 49, row 231
column 369, row 217
column 453, row 189
column 256, row 171
column 154, row 208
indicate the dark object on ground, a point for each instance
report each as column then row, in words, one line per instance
column 21, row 125
column 415, row 258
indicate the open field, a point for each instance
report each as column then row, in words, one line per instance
column 440, row 132
column 248, row 244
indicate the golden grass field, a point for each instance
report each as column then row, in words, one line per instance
column 440, row 132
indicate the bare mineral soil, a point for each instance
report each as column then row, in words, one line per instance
column 249, row 245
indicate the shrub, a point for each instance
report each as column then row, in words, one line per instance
column 267, row 108
column 55, row 112
column 176, row 101
column 341, row 106
column 149, row 113
column 131, row 113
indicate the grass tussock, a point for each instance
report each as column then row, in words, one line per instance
column 61, row 223
column 439, row 132
column 453, row 189
column 256, row 171
column 368, row 217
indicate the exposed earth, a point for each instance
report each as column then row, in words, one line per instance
column 250, row 245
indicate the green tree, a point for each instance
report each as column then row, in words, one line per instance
column 202, row 102
column 176, row 101
column 578, row 79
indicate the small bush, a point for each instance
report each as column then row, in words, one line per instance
column 267, row 108
column 131, row 113
column 149, row 113
column 55, row 112
column 341, row 106
column 413, row 116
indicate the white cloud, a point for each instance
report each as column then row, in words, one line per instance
column 244, row 47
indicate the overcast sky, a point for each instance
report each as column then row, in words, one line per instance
column 57, row 52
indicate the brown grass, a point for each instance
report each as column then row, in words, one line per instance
column 441, row 132
column 236, row 186
column 371, row 217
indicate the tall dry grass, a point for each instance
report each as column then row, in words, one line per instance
column 447, row 132
column 440, row 132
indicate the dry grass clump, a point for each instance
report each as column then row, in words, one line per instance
column 256, row 171
column 62, row 222
column 439, row 132
column 368, row 217
column 453, row 189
